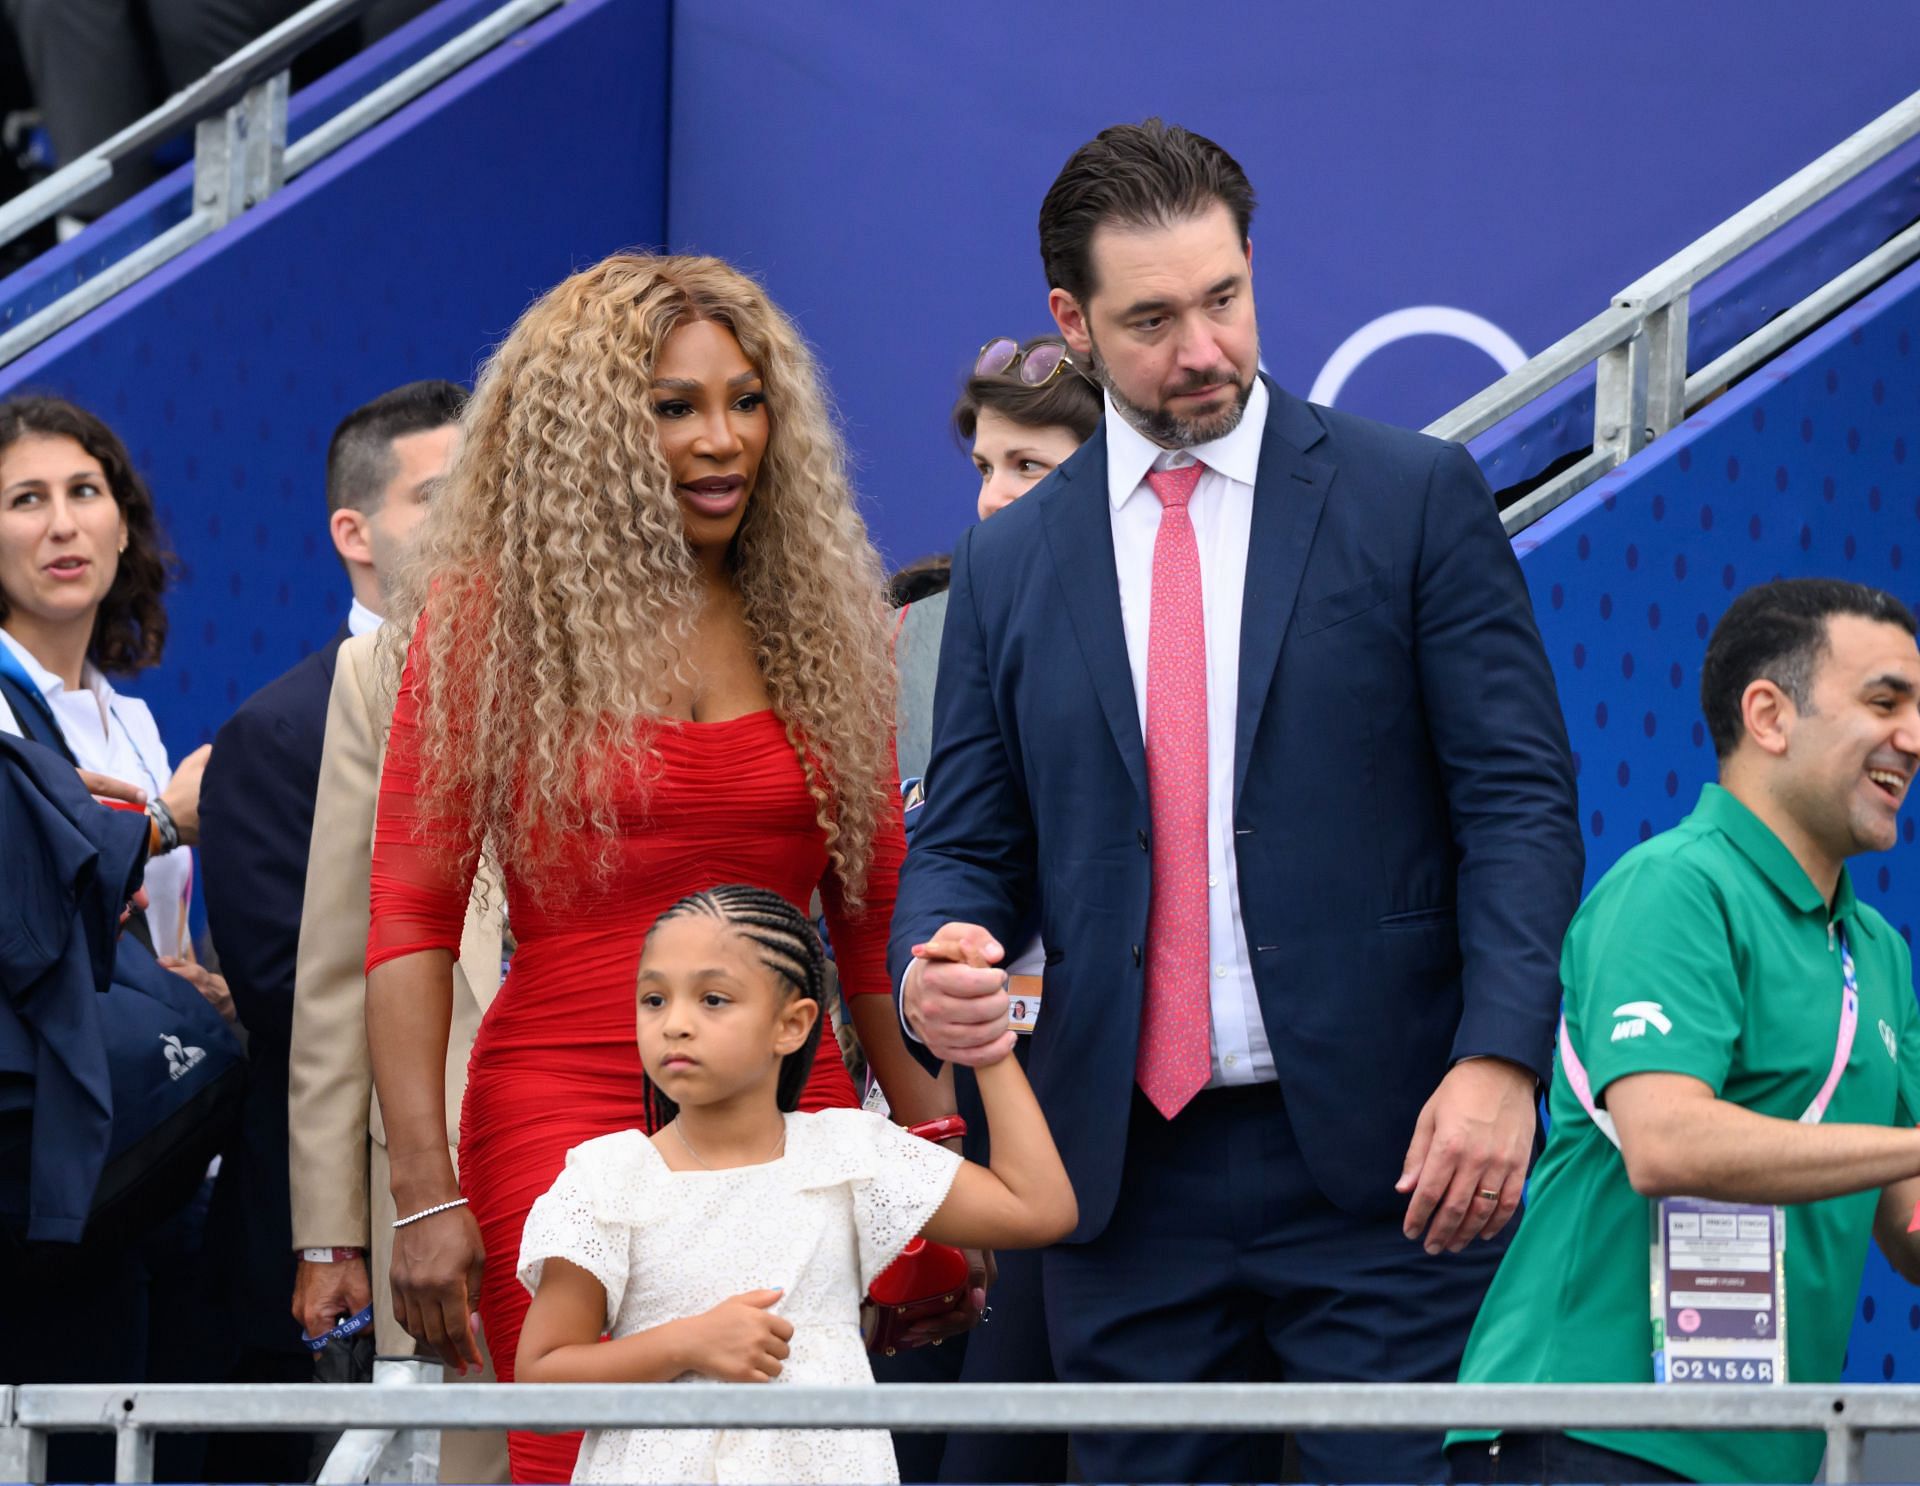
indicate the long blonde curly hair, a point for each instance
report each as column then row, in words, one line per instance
column 559, row 592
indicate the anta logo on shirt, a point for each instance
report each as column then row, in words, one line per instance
column 1630, row 1020
column 1886, row 1036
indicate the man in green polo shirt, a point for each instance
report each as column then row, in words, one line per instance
column 1703, row 982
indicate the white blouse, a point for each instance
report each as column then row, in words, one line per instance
column 116, row 735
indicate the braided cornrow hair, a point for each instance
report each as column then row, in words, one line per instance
column 788, row 947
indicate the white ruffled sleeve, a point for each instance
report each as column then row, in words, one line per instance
column 586, row 1217
column 898, row 1183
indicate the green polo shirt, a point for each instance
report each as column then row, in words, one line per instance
column 1718, row 925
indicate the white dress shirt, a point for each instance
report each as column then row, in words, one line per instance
column 116, row 736
column 361, row 620
column 1222, row 513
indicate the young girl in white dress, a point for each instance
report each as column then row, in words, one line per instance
column 735, row 1244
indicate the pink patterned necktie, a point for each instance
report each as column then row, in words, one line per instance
column 1176, row 1019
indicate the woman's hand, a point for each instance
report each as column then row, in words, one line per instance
column 740, row 1340
column 106, row 787
column 437, row 1264
column 212, row 987
column 182, row 794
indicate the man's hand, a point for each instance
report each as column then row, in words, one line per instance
column 955, row 998
column 182, row 794
column 436, row 1283
column 325, row 1294
column 212, row 988
column 1473, row 1138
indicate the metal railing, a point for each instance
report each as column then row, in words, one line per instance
column 238, row 112
column 1640, row 341
column 28, row 1412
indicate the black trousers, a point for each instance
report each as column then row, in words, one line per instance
column 1548, row 1460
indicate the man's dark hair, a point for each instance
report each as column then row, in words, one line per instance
column 1778, row 632
column 360, row 462
column 1137, row 175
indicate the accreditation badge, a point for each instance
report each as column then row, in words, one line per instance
column 1719, row 1292
column 1023, row 1004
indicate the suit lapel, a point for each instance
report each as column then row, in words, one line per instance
column 1288, row 497
column 1080, row 536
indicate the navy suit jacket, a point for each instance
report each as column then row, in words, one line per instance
column 256, row 820
column 1404, row 816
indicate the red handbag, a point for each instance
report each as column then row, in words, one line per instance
column 927, row 1280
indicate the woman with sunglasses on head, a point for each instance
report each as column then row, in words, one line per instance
column 1024, row 410
column 82, row 572
column 649, row 655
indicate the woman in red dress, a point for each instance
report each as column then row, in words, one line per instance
column 648, row 655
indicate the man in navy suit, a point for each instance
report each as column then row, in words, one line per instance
column 256, row 815
column 1244, row 708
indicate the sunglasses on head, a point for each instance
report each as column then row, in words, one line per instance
column 1038, row 364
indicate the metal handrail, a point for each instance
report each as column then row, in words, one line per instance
column 135, row 1413
column 1639, row 342
column 241, row 156
column 227, row 81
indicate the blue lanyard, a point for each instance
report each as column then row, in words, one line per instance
column 354, row 1323
column 11, row 668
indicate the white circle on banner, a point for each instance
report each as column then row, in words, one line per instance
column 1420, row 319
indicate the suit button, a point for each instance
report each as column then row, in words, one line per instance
column 1143, row 840
column 1136, row 954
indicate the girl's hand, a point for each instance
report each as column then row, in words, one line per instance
column 740, row 1340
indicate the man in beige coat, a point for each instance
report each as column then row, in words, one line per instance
column 337, row 1144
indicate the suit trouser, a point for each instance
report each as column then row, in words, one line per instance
column 474, row 1456
column 1224, row 1263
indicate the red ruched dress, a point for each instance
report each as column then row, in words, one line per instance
column 555, row 1062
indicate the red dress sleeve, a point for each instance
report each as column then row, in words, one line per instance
column 860, row 940
column 422, row 866
column 859, row 949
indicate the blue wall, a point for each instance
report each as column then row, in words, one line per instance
column 882, row 166
column 1810, row 468
column 407, row 254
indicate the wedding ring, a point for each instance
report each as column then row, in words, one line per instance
column 1486, row 1196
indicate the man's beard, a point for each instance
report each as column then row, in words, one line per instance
column 1167, row 428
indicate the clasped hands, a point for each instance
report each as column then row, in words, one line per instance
column 1465, row 1168
column 955, row 997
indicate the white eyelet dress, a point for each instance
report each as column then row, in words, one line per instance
column 818, row 1224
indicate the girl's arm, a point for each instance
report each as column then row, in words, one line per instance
column 738, row 1341
column 1024, row 1201
column 914, row 1096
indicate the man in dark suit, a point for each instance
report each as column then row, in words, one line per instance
column 256, row 816
column 1245, row 709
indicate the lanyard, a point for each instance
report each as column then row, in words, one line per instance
column 1814, row 1112
column 357, row 1322
column 11, row 668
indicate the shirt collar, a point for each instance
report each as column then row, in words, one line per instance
column 1721, row 808
column 50, row 685
column 361, row 620
column 1130, row 453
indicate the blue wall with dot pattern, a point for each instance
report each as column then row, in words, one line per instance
column 1811, row 467
column 407, row 254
